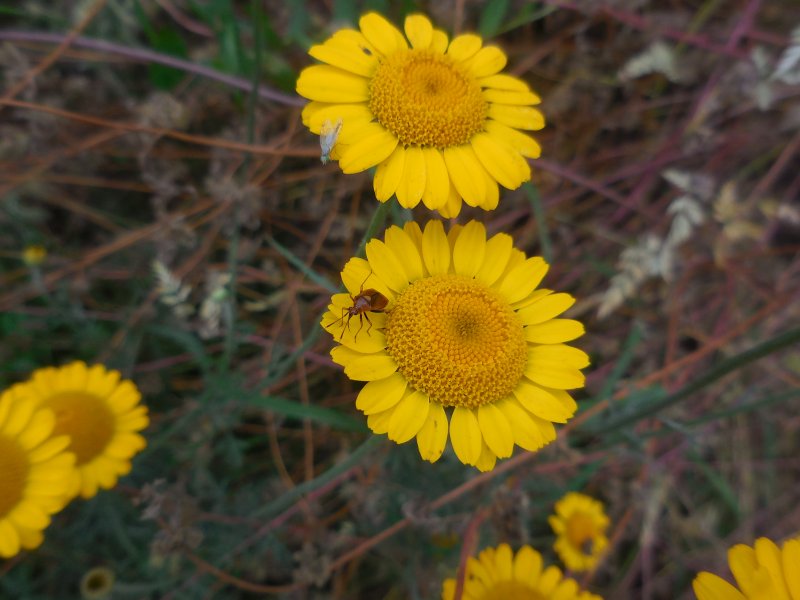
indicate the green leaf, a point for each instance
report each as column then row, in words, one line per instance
column 492, row 17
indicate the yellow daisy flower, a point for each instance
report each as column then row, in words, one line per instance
column 580, row 524
column 461, row 334
column 499, row 575
column 35, row 473
column 100, row 414
column 763, row 572
column 33, row 256
column 436, row 116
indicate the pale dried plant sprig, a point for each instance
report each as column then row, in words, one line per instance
column 172, row 291
column 653, row 256
column 658, row 57
column 211, row 308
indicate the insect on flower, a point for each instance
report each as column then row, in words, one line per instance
column 364, row 302
column 328, row 135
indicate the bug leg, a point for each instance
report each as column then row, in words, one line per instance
column 360, row 326
column 368, row 321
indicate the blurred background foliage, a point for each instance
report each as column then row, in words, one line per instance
column 667, row 199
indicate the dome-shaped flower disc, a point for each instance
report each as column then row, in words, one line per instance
column 436, row 116
column 35, row 473
column 100, row 413
column 580, row 524
column 498, row 574
column 452, row 334
column 763, row 572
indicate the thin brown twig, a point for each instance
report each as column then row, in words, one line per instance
column 57, row 51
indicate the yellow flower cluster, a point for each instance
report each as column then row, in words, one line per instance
column 455, row 338
column 65, row 432
column 450, row 330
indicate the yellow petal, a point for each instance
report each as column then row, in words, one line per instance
column 412, row 183
column 439, row 41
column 39, row 428
column 498, row 251
column 375, row 146
column 504, row 562
column 19, row 416
column 414, row 233
column 386, row 265
column 382, row 34
column 510, row 97
column 769, row 558
column 486, row 61
column 553, row 369
column 708, row 586
column 352, row 116
column 501, row 161
column 409, row 417
column 501, row 81
column 486, row 460
column 419, row 31
column 403, row 246
column 546, row 308
column 432, row 438
column 521, row 142
column 465, row 173
column 379, row 422
column 527, row 566
column 464, row 46
column 519, row 117
column 27, row 514
column 355, row 38
column 435, row 249
column 389, row 173
column 543, row 404
column 358, row 276
column 492, row 192
column 452, row 207
column 329, row 84
column 526, row 431
column 381, row 394
column 437, row 179
column 554, row 331
column 470, row 249
column 791, row 567
column 9, row 539
column 496, row 430
column 363, row 367
column 465, row 435
column 523, row 279
column 345, row 54
column 362, row 333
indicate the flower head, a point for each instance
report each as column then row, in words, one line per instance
column 34, row 255
column 35, row 473
column 436, row 116
column 499, row 575
column 462, row 341
column 763, row 572
column 101, row 415
column 580, row 524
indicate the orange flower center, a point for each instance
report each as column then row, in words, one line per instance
column 426, row 99
column 457, row 340
column 14, row 467
column 86, row 419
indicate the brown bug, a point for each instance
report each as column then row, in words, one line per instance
column 365, row 302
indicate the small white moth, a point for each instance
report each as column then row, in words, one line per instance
column 327, row 138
